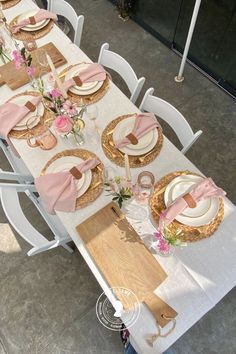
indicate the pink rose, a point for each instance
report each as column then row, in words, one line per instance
column 63, row 124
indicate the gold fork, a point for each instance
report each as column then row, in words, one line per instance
column 142, row 158
column 114, row 156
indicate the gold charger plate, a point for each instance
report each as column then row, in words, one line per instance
column 190, row 233
column 96, row 186
column 46, row 119
column 117, row 156
column 9, row 3
column 87, row 99
column 26, row 36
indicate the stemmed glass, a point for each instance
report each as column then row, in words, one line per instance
column 41, row 56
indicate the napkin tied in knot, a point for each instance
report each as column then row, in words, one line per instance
column 58, row 190
column 144, row 123
column 11, row 114
column 93, row 72
column 203, row 190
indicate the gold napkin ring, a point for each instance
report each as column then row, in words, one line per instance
column 190, row 201
column 31, row 107
column 132, row 138
column 32, row 20
column 75, row 173
column 77, row 80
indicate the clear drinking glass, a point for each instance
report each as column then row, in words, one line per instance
column 41, row 56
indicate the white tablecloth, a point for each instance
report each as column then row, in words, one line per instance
column 198, row 275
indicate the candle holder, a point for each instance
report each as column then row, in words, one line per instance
column 144, row 187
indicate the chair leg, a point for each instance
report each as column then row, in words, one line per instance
column 68, row 248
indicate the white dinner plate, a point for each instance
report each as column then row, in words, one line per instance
column 205, row 210
column 30, row 27
column 21, row 101
column 145, row 143
column 88, row 87
column 65, row 163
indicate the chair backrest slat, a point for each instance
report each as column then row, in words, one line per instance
column 117, row 63
column 63, row 8
column 172, row 116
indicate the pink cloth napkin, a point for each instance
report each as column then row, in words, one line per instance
column 58, row 190
column 205, row 189
column 144, row 123
column 94, row 72
column 10, row 115
column 39, row 16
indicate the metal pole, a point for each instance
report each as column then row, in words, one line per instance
column 180, row 77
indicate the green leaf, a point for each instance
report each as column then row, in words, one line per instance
column 120, row 201
column 53, row 109
column 115, row 198
column 47, row 98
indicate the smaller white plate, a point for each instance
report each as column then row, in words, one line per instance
column 88, row 87
column 145, row 143
column 65, row 163
column 21, row 101
column 29, row 27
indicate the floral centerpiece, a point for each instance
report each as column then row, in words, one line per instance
column 120, row 189
column 166, row 239
column 23, row 58
column 68, row 116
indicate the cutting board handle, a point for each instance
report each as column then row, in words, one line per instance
column 162, row 312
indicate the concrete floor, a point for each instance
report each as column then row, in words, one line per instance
column 47, row 301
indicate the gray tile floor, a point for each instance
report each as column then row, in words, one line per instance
column 47, row 301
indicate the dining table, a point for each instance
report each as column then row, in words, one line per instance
column 199, row 275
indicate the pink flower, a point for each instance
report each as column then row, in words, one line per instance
column 63, row 124
column 30, row 70
column 54, row 93
column 17, row 59
column 70, row 107
column 163, row 246
column 158, row 235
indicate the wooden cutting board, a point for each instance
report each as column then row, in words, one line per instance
column 124, row 260
column 17, row 78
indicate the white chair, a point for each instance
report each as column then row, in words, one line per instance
column 117, row 63
column 12, row 208
column 61, row 7
column 172, row 116
column 16, row 163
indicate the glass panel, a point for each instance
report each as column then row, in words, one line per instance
column 160, row 16
column 214, row 37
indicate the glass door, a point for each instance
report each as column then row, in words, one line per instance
column 159, row 17
column 213, row 46
column 214, row 38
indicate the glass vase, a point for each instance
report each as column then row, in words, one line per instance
column 166, row 252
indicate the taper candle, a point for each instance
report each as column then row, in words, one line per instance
column 127, row 168
column 56, row 77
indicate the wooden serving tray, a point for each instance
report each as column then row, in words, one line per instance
column 17, row 78
column 124, row 260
